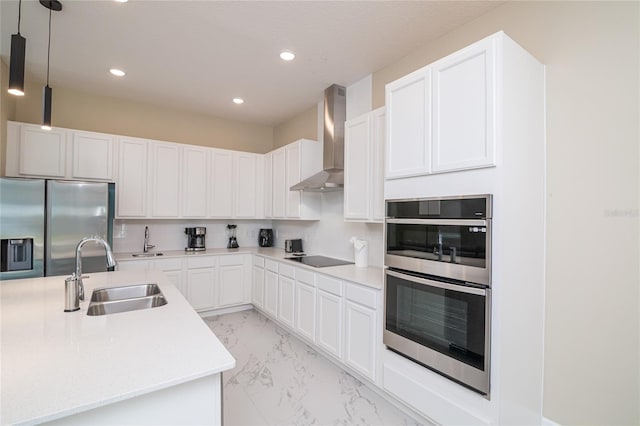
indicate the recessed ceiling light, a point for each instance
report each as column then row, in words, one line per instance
column 238, row 101
column 116, row 71
column 122, row 1
column 287, row 55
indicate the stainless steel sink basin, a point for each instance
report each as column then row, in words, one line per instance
column 124, row 299
column 146, row 254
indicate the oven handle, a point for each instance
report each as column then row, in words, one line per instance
column 454, row 222
column 439, row 284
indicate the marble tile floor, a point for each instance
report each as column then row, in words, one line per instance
column 280, row 380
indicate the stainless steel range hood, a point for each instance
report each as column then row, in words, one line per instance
column 331, row 178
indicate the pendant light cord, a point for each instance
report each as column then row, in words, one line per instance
column 48, row 47
column 19, row 14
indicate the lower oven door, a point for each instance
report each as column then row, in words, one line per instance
column 443, row 326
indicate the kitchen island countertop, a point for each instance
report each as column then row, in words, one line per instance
column 55, row 364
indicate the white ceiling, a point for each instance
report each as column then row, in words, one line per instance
column 198, row 55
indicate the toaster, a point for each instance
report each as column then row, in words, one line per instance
column 293, row 246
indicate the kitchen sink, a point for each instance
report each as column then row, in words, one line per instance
column 114, row 300
column 146, row 254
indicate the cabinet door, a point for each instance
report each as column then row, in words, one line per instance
column 200, row 288
column 132, row 178
column 246, row 187
column 42, row 152
column 271, row 293
column 378, row 133
column 176, row 279
column 286, row 300
column 231, row 285
column 165, row 180
column 408, row 127
column 92, row 156
column 268, row 185
column 257, row 287
column 357, row 159
column 292, row 166
column 134, row 265
column 305, row 310
column 464, row 109
column 329, row 328
column 221, row 184
column 195, row 168
column 360, row 338
column 279, row 183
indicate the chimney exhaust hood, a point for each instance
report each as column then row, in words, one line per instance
column 331, row 178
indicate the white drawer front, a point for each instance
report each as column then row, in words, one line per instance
column 201, row 262
column 305, row 276
column 330, row 285
column 229, row 260
column 271, row 265
column 168, row 264
column 258, row 261
column 287, row 271
column 364, row 296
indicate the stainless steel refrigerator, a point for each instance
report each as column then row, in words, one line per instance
column 41, row 222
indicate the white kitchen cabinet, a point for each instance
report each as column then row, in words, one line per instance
column 134, row 265
column 257, row 287
column 286, row 300
column 293, row 173
column 247, row 171
column 232, row 280
column 221, row 183
column 364, row 167
column 329, row 330
column 164, row 179
column 201, row 282
column 195, row 182
column 32, row 151
column 132, row 178
column 361, row 329
column 92, row 155
column 174, row 270
column 279, row 190
column 305, row 304
column 271, row 293
column 408, row 103
column 463, row 108
column 268, row 185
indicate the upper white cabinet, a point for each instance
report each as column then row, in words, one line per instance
column 59, row 153
column 92, row 155
column 195, row 182
column 268, row 184
column 132, row 178
column 248, row 168
column 165, row 180
column 364, row 165
column 290, row 165
column 441, row 118
column 221, row 183
column 464, row 100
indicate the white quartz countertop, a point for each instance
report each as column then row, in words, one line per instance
column 55, row 364
column 370, row 276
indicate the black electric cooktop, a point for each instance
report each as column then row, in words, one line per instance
column 319, row 261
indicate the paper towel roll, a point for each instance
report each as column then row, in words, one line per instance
column 361, row 252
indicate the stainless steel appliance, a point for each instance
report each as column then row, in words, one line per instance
column 196, row 238
column 437, row 285
column 233, row 241
column 41, row 221
column 265, row 238
column 319, row 261
column 293, row 246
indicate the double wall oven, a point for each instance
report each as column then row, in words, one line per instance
column 438, row 285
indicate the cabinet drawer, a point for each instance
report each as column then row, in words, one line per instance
column 271, row 265
column 201, row 262
column 168, row 264
column 229, row 260
column 362, row 295
column 305, row 276
column 258, row 261
column 330, row 285
column 287, row 271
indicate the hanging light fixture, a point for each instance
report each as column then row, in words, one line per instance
column 16, row 64
column 47, row 93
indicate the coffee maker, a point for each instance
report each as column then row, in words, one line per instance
column 265, row 238
column 195, row 238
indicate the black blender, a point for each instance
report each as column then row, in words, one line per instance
column 231, row 232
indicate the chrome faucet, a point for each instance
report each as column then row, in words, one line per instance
column 146, row 246
column 73, row 286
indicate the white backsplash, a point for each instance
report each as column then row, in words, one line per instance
column 329, row 236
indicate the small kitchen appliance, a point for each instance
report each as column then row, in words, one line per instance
column 195, row 238
column 231, row 232
column 265, row 238
column 293, row 246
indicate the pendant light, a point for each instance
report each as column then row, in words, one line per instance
column 47, row 93
column 16, row 64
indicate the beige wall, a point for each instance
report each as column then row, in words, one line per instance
column 7, row 112
column 592, row 327
column 302, row 126
column 79, row 110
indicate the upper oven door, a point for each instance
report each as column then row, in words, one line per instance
column 455, row 248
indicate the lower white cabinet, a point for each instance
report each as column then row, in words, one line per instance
column 305, row 307
column 360, row 338
column 257, row 287
column 286, row 300
column 329, row 325
column 200, row 288
column 231, row 280
column 271, row 293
